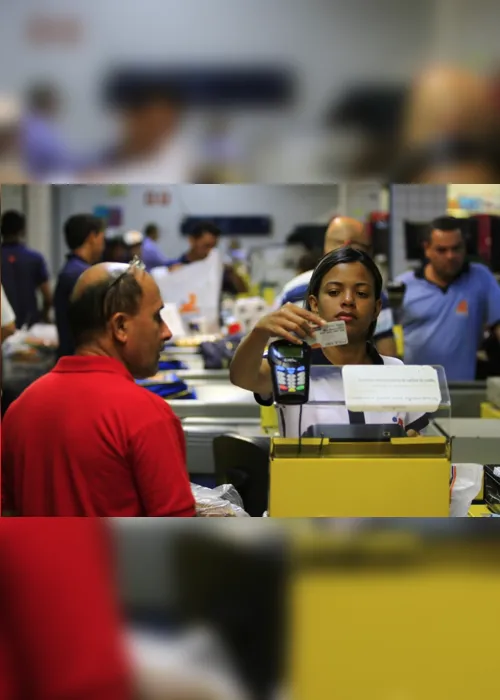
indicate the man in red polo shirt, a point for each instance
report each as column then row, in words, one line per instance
column 85, row 439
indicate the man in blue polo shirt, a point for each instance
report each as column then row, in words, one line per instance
column 152, row 255
column 448, row 304
column 24, row 273
column 84, row 235
column 344, row 231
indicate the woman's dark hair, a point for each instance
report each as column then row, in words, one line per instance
column 343, row 256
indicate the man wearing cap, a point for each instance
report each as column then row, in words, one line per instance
column 344, row 231
column 122, row 247
column 85, row 439
column 84, row 236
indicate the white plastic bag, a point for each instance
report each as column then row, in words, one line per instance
column 466, row 480
column 221, row 502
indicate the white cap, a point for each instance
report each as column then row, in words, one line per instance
column 131, row 238
column 10, row 111
column 112, row 234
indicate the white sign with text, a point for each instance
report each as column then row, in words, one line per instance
column 391, row 388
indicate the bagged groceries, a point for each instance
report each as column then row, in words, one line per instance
column 221, row 502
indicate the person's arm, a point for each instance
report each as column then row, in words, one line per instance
column 46, row 293
column 493, row 304
column 8, row 321
column 160, row 470
column 247, row 369
column 384, row 336
column 386, row 345
column 7, row 331
column 42, row 283
column 232, row 282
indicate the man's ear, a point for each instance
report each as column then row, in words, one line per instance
column 119, row 327
column 313, row 303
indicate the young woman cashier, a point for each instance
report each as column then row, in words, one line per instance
column 345, row 286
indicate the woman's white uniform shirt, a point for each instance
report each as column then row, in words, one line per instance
column 326, row 387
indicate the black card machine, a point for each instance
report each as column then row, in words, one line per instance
column 290, row 369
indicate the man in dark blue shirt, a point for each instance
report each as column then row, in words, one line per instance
column 84, row 236
column 24, row 273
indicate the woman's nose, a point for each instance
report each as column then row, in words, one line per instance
column 348, row 298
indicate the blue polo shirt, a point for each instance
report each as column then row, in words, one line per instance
column 444, row 325
column 295, row 291
column 152, row 255
column 66, row 281
column 23, row 271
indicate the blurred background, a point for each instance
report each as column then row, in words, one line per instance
column 265, row 228
column 265, row 235
column 249, row 91
column 337, row 609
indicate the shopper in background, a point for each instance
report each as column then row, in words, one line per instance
column 202, row 240
column 151, row 253
column 345, row 231
column 85, row 439
column 447, row 304
column 133, row 242
column 84, row 235
column 24, row 273
column 8, row 318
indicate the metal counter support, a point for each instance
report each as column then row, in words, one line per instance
column 475, row 440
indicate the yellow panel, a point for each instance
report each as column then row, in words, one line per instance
column 488, row 410
column 479, row 511
column 399, row 338
column 268, row 418
column 405, row 635
column 359, row 487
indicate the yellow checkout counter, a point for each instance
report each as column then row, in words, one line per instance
column 386, row 610
column 397, row 477
column 311, row 477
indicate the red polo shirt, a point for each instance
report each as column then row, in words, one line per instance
column 61, row 632
column 86, row 440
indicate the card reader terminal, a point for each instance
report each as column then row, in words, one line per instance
column 290, row 370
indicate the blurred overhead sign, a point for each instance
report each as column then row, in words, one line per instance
column 157, row 198
column 54, row 30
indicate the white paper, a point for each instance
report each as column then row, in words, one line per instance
column 391, row 388
column 171, row 316
column 202, row 279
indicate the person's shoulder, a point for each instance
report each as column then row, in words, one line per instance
column 406, row 277
column 480, row 271
column 142, row 402
column 300, row 280
column 35, row 255
column 295, row 291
